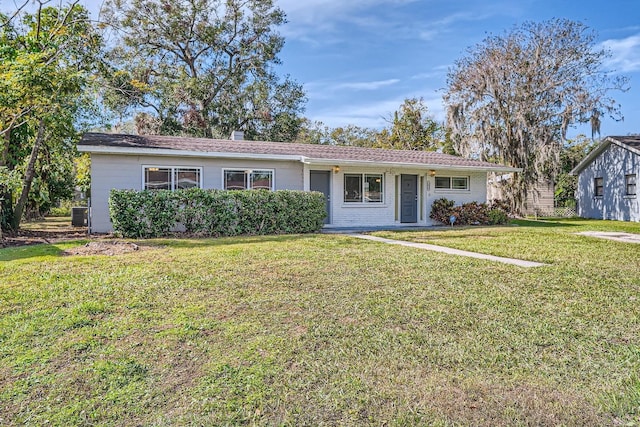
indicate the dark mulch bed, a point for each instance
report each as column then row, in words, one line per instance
column 24, row 237
column 47, row 233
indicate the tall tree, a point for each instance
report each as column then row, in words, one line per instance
column 412, row 128
column 513, row 97
column 44, row 60
column 203, row 68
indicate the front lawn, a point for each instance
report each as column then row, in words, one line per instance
column 326, row 330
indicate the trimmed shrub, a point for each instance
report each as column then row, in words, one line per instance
column 497, row 216
column 472, row 213
column 215, row 212
column 441, row 210
column 142, row 214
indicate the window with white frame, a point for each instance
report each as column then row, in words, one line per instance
column 452, row 182
column 363, row 188
column 236, row 179
column 171, row 177
column 630, row 184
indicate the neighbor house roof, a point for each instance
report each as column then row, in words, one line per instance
column 631, row 143
column 106, row 143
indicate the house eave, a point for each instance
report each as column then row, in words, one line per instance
column 598, row 150
column 391, row 165
column 138, row 151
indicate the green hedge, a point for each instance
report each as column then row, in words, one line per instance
column 215, row 213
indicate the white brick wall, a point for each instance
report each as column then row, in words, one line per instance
column 126, row 172
column 373, row 214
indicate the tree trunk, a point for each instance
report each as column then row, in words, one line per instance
column 6, row 137
column 4, row 193
column 28, row 178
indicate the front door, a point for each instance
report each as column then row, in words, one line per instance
column 409, row 198
column 321, row 181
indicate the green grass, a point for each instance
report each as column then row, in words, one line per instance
column 326, row 330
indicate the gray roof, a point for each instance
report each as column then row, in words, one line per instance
column 136, row 144
column 630, row 142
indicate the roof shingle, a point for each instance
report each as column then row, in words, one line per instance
column 309, row 151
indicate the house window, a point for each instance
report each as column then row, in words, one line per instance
column 452, row 182
column 363, row 188
column 261, row 180
column 598, row 187
column 630, row 184
column 187, row 178
column 171, row 178
column 248, row 179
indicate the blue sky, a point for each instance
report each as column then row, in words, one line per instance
column 359, row 59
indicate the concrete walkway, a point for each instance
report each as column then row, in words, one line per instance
column 426, row 246
column 618, row 237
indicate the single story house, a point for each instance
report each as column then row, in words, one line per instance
column 607, row 180
column 363, row 186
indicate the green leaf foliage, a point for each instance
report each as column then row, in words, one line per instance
column 201, row 68
column 216, row 213
column 411, row 127
column 472, row 213
column 47, row 57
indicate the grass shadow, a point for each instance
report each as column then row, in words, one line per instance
column 541, row 223
column 182, row 242
column 176, row 242
column 30, row 251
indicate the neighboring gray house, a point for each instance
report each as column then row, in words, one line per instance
column 607, row 180
column 364, row 186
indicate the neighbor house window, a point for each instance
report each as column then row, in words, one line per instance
column 452, row 182
column 363, row 188
column 171, row 178
column 248, row 179
column 630, row 184
column 598, row 187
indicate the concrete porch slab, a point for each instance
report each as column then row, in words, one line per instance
column 617, row 236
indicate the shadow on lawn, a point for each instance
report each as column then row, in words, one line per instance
column 178, row 242
column 541, row 223
column 181, row 242
column 29, row 251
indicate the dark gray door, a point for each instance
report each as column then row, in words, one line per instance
column 409, row 198
column 321, row 181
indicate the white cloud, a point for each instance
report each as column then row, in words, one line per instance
column 327, row 89
column 373, row 114
column 625, row 53
column 435, row 73
column 366, row 85
column 323, row 17
column 435, row 29
column 318, row 10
